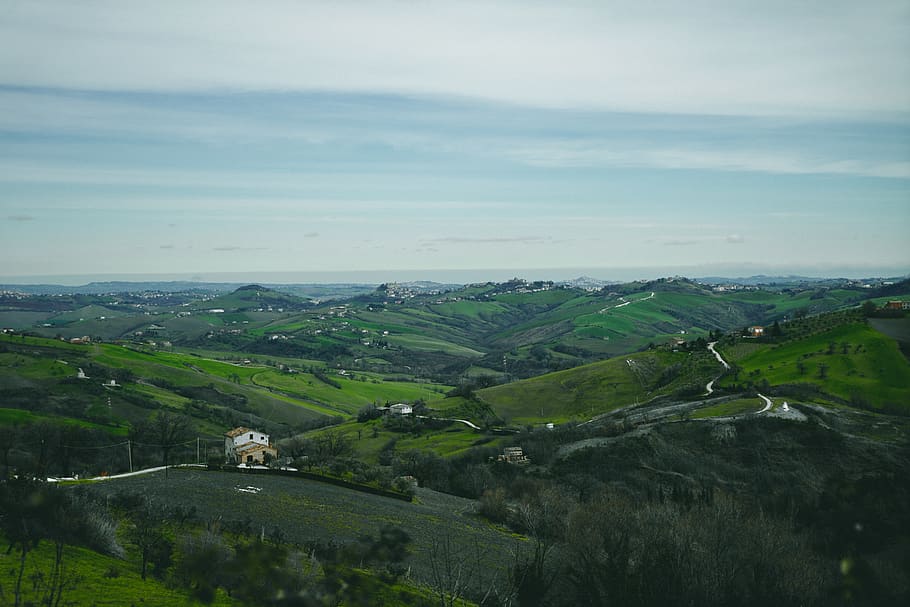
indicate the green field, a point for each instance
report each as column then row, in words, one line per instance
column 368, row 439
column 740, row 406
column 175, row 379
column 421, row 343
column 102, row 581
column 853, row 362
column 351, row 395
column 586, row 391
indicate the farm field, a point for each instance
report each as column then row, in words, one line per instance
column 308, row 511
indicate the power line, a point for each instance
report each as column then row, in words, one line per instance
column 101, row 447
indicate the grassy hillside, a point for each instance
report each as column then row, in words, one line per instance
column 852, row 362
column 102, row 581
column 40, row 375
column 586, row 391
column 537, row 327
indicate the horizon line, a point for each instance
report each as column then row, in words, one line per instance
column 469, row 275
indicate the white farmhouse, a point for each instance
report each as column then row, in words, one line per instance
column 245, row 446
column 401, row 409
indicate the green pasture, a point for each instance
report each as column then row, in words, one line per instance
column 44, row 342
column 368, row 439
column 740, row 406
column 549, row 297
column 422, row 343
column 872, row 371
column 589, row 390
column 479, row 310
column 393, row 321
column 21, row 319
column 9, row 417
column 35, row 367
column 565, row 312
column 738, row 350
column 177, row 368
column 353, row 393
column 646, row 320
column 86, row 313
column 165, row 397
column 96, row 585
column 234, row 359
column 784, row 304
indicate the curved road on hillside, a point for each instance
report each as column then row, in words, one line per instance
column 710, row 387
column 124, row 474
column 626, row 303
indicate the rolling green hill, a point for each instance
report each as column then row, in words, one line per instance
column 530, row 327
column 40, row 375
column 584, row 392
column 852, row 362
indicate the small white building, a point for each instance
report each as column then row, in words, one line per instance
column 513, row 455
column 401, row 409
column 245, row 446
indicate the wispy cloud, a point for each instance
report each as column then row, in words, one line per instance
column 700, row 56
column 20, row 218
column 166, row 246
column 311, row 235
column 238, row 248
column 680, row 243
column 735, row 239
column 573, row 154
column 492, row 240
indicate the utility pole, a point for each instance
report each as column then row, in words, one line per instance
column 197, row 449
column 129, row 452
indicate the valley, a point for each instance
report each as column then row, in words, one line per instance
column 531, row 407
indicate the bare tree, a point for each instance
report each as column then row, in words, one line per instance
column 165, row 431
column 544, row 516
column 459, row 572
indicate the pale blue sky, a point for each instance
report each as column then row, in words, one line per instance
column 166, row 138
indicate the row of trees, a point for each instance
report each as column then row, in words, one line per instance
column 42, row 449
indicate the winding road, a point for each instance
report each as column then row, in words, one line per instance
column 710, row 387
column 626, row 303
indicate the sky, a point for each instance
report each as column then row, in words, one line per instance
column 411, row 140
